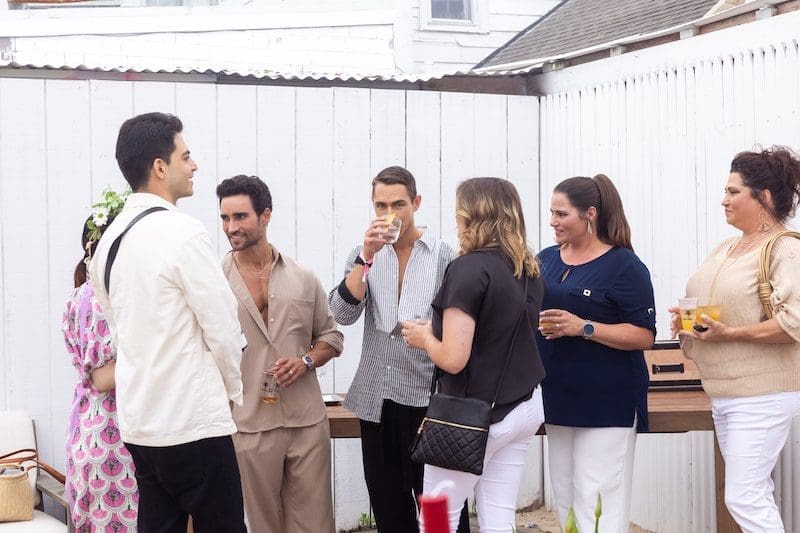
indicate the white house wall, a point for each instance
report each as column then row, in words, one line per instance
column 664, row 124
column 459, row 47
column 317, row 149
column 358, row 37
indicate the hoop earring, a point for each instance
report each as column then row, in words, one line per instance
column 764, row 225
column 589, row 226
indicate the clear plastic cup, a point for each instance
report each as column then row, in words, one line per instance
column 688, row 307
column 270, row 389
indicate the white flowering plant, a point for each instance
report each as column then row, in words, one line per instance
column 103, row 211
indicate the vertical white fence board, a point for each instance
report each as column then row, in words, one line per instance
column 150, row 96
column 458, row 155
column 275, row 120
column 314, row 160
column 388, row 129
column 25, row 251
column 423, row 153
column 67, row 159
column 523, row 160
column 490, row 142
column 196, row 107
column 111, row 105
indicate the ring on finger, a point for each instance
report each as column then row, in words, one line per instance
column 291, row 372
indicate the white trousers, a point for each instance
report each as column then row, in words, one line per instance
column 751, row 433
column 585, row 462
column 496, row 489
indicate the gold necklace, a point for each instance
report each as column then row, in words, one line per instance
column 261, row 273
column 746, row 245
column 731, row 259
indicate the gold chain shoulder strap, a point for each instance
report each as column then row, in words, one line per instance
column 764, row 266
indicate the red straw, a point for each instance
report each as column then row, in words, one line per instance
column 434, row 513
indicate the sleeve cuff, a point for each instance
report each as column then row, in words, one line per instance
column 346, row 295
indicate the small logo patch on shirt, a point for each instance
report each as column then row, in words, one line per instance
column 587, row 292
column 650, row 310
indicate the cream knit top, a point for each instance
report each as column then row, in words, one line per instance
column 737, row 369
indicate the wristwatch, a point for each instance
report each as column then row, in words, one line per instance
column 308, row 361
column 588, row 330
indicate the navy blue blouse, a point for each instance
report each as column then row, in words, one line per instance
column 589, row 384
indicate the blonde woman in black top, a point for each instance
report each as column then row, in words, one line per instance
column 474, row 317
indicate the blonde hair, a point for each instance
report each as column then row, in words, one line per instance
column 491, row 211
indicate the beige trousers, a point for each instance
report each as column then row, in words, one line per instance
column 286, row 479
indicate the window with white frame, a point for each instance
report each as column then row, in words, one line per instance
column 451, row 9
column 453, row 15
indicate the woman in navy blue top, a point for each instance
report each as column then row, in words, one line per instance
column 598, row 315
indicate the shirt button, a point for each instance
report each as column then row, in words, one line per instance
column 391, row 336
column 272, row 320
column 272, row 295
column 388, row 367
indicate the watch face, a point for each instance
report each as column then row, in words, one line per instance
column 588, row 329
column 308, row 361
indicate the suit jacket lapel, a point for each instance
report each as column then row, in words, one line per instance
column 239, row 289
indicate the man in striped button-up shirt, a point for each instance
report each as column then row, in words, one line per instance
column 391, row 283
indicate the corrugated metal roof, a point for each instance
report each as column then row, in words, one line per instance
column 271, row 74
column 581, row 24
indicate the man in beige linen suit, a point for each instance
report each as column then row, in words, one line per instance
column 283, row 448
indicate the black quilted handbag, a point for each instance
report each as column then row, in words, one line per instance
column 455, row 430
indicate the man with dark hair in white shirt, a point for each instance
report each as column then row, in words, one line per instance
column 173, row 320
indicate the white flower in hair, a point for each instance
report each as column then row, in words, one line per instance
column 100, row 216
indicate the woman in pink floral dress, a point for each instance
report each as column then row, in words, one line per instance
column 101, row 486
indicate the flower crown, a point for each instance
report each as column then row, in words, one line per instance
column 103, row 211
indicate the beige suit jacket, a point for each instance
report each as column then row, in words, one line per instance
column 299, row 317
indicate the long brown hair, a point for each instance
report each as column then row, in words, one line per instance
column 491, row 211
column 599, row 192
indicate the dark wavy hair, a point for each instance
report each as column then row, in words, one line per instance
column 775, row 169
column 252, row 186
column 143, row 139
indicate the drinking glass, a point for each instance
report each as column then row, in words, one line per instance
column 269, row 388
column 393, row 231
column 548, row 326
column 688, row 307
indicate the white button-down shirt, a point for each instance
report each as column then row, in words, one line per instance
column 173, row 320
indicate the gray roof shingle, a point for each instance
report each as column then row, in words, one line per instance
column 578, row 24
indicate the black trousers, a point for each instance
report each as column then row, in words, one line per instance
column 199, row 478
column 393, row 480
